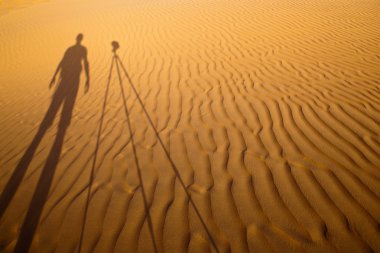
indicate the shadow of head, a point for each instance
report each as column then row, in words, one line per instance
column 79, row 38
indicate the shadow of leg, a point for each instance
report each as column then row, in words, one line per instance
column 18, row 174
column 46, row 178
column 40, row 195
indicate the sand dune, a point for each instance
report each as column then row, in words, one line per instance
column 256, row 127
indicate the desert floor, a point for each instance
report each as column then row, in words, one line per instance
column 239, row 126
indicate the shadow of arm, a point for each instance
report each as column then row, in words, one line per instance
column 87, row 71
column 55, row 74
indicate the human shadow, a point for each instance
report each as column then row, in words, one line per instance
column 64, row 96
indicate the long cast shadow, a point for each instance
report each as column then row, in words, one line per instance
column 64, row 96
column 95, row 155
column 143, row 191
column 167, row 154
column 115, row 60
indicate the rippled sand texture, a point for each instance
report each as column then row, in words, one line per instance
column 268, row 109
column 9, row 5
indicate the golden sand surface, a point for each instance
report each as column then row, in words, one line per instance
column 255, row 126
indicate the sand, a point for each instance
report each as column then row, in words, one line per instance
column 256, row 127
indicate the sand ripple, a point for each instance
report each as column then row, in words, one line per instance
column 268, row 116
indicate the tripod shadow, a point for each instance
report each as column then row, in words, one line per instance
column 64, row 96
column 167, row 154
column 137, row 163
column 116, row 62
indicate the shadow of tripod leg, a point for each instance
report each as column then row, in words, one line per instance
column 174, row 167
column 143, row 190
column 91, row 179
